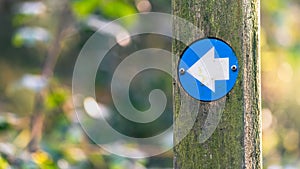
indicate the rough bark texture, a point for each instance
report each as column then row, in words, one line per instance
column 236, row 143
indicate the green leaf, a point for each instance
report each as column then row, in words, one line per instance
column 83, row 8
column 115, row 9
column 17, row 40
column 3, row 163
column 56, row 98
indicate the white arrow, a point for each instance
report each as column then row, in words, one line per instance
column 208, row 69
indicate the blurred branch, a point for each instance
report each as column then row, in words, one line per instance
column 38, row 116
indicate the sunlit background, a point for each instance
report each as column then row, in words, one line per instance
column 280, row 45
column 39, row 44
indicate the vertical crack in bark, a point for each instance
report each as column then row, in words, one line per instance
column 251, row 85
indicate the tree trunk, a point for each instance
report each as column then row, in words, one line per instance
column 236, row 142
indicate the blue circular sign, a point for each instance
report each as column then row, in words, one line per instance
column 208, row 69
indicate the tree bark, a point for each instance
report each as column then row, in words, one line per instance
column 236, row 142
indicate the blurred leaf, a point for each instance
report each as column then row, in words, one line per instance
column 22, row 139
column 274, row 6
column 3, row 123
column 83, row 8
column 116, row 8
column 112, row 9
column 18, row 41
column 56, row 98
column 21, row 19
column 40, row 157
column 3, row 163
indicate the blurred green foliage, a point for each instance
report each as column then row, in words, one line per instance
column 112, row 9
column 280, row 46
column 31, row 33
